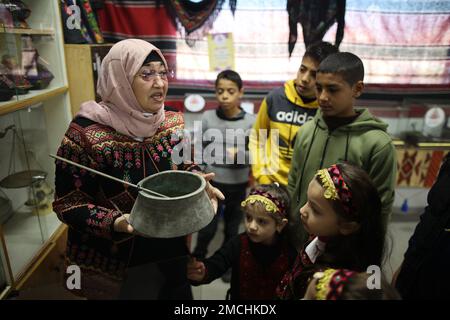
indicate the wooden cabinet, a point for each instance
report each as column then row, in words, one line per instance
column 6, row 276
column 44, row 279
column 83, row 63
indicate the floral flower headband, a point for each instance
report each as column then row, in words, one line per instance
column 336, row 188
column 331, row 283
column 271, row 203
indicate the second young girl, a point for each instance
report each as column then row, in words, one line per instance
column 259, row 257
column 343, row 217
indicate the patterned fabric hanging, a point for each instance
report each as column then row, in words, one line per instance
column 195, row 16
column 233, row 4
column 316, row 17
column 80, row 23
column 418, row 168
column 91, row 21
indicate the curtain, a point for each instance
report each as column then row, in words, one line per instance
column 400, row 42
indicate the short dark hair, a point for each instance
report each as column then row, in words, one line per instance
column 320, row 50
column 345, row 64
column 230, row 75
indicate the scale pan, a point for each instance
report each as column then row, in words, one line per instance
column 22, row 179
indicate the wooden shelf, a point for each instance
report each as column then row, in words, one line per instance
column 35, row 96
column 42, row 32
column 57, row 242
column 5, row 292
column 444, row 145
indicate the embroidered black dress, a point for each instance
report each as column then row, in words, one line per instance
column 89, row 205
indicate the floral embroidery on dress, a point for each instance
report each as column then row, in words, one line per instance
column 82, row 201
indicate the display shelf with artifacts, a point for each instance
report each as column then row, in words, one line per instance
column 32, row 67
column 34, row 114
column 26, row 177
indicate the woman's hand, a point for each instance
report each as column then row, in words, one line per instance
column 196, row 270
column 121, row 224
column 214, row 194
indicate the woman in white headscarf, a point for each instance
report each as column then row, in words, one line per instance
column 126, row 135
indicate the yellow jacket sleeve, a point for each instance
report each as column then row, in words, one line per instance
column 257, row 145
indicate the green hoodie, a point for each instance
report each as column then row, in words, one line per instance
column 364, row 142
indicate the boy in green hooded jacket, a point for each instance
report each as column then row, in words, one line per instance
column 339, row 132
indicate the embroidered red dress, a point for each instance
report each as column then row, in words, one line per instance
column 89, row 204
column 293, row 286
column 287, row 288
column 256, row 268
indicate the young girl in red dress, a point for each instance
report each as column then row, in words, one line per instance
column 259, row 257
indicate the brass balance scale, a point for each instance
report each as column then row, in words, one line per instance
column 39, row 192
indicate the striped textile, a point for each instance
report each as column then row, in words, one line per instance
column 142, row 19
column 400, row 42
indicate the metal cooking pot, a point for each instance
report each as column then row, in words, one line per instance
column 186, row 210
column 169, row 204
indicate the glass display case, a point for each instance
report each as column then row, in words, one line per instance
column 420, row 130
column 415, row 121
column 34, row 114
